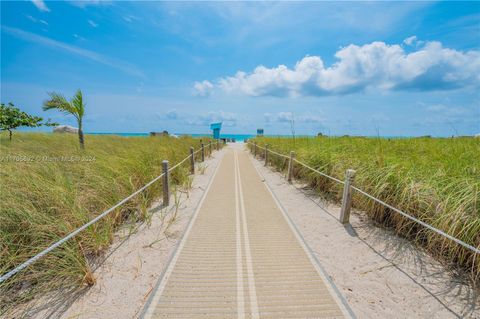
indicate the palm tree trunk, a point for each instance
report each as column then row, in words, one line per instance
column 10, row 134
column 80, row 137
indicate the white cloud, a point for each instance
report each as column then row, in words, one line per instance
column 227, row 118
column 130, row 18
column 374, row 66
column 436, row 108
column 31, row 18
column 40, row 4
column 76, row 36
column 92, row 23
column 85, row 3
column 280, row 117
column 410, row 40
column 313, row 119
column 91, row 55
column 286, row 117
column 34, row 20
column 203, row 88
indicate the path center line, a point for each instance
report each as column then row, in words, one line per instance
column 248, row 256
column 240, row 296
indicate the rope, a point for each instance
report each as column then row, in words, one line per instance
column 318, row 172
column 271, row 151
column 180, row 163
column 85, row 226
column 279, row 154
column 257, row 145
column 436, row 230
column 74, row 233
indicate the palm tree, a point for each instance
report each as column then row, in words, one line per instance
column 75, row 107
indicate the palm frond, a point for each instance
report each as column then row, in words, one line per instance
column 77, row 103
column 59, row 102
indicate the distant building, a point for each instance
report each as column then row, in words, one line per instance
column 259, row 131
column 215, row 127
column 164, row 133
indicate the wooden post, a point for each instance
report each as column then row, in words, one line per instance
column 347, row 196
column 216, row 145
column 166, row 190
column 203, row 153
column 192, row 160
column 290, row 166
column 266, row 154
column 255, row 149
column 210, row 147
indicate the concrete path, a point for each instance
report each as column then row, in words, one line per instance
column 241, row 257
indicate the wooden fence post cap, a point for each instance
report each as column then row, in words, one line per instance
column 350, row 173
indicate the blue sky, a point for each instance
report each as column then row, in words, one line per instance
column 358, row 68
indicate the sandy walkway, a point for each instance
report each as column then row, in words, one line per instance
column 241, row 258
column 381, row 275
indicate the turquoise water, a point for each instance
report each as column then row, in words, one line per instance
column 237, row 137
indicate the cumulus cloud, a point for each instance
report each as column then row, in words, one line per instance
column 374, row 66
column 203, row 88
column 40, row 4
column 410, row 40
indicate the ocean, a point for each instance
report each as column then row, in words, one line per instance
column 237, row 137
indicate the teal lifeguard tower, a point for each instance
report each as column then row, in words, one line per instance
column 215, row 127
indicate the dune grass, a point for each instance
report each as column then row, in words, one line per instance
column 49, row 187
column 434, row 179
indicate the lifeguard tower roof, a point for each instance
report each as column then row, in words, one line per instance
column 217, row 125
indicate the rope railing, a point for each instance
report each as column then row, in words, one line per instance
column 318, row 172
column 279, row 154
column 438, row 231
column 44, row 252
column 347, row 198
column 180, row 163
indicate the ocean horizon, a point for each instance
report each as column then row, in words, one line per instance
column 243, row 137
column 237, row 137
